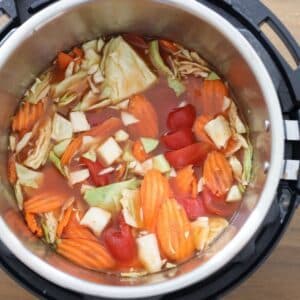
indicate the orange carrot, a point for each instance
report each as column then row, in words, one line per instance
column 85, row 253
column 64, row 221
column 11, row 169
column 101, row 131
column 72, row 148
column 63, row 60
column 143, row 110
column 168, row 46
column 138, row 151
column 74, row 230
column 207, row 96
column 174, row 231
column 27, row 116
column 44, row 202
column 32, row 224
column 199, row 131
column 119, row 173
column 232, row 146
column 185, row 183
column 154, row 190
column 217, row 173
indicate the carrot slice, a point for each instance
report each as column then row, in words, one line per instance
column 207, row 96
column 143, row 110
column 11, row 169
column 185, row 183
column 72, row 148
column 217, row 173
column 174, row 231
column 138, row 151
column 32, row 224
column 154, row 190
column 64, row 221
column 27, row 116
column 63, row 60
column 199, row 131
column 44, row 202
column 168, row 46
column 86, row 253
column 74, row 230
column 101, row 131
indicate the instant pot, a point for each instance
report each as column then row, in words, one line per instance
column 229, row 35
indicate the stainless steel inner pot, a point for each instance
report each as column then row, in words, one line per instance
column 34, row 45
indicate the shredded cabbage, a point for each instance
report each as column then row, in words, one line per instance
column 27, row 177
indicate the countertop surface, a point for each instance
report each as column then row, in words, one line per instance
column 279, row 277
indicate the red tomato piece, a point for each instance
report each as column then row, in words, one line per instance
column 178, row 139
column 194, row 207
column 217, row 205
column 181, row 117
column 95, row 168
column 120, row 242
column 135, row 40
column 63, row 60
column 190, row 155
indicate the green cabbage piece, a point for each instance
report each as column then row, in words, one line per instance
column 27, row 177
column 56, row 161
column 247, row 164
column 212, row 76
column 159, row 64
column 108, row 197
column 49, row 225
column 39, row 155
column 125, row 72
column 60, row 148
column 19, row 194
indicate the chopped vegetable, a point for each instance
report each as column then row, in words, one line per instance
column 96, row 219
column 143, row 110
column 85, row 253
column 109, row 151
column 56, row 161
column 237, row 167
column 174, row 231
column 200, row 230
column 159, row 64
column 39, row 89
column 219, row 131
column 178, row 139
column 160, row 163
column 216, row 226
column 108, row 197
column 125, row 72
column 19, row 195
column 217, row 173
column 154, row 190
column 11, row 169
column 29, row 178
column 79, row 121
column 149, row 144
column 130, row 207
column 138, row 151
column 91, row 155
column 194, row 207
column 23, row 142
column 49, row 225
column 190, row 155
column 79, row 176
column 212, row 76
column 135, row 40
column 247, row 165
column 63, row 222
column 120, row 241
column 148, row 252
column 234, row 194
column 128, row 119
column 199, row 130
column 121, row 136
column 38, row 156
column 182, row 117
column 235, row 120
column 27, row 116
column 61, row 128
column 44, row 202
column 63, row 60
column 34, row 227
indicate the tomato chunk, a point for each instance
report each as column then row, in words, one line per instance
column 63, row 60
column 178, row 139
column 190, row 155
column 120, row 242
column 194, row 207
column 217, row 205
column 181, row 117
column 95, row 168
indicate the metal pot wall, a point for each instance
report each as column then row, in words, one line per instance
column 31, row 48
